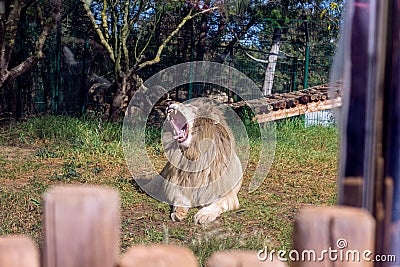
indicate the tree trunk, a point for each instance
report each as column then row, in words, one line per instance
column 7, row 40
column 123, row 90
column 272, row 60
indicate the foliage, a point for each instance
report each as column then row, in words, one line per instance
column 74, row 134
column 127, row 41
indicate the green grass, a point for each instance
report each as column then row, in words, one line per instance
column 66, row 135
column 55, row 150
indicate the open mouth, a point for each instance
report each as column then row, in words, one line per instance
column 178, row 122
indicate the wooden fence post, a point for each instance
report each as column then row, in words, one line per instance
column 158, row 255
column 242, row 258
column 18, row 251
column 333, row 236
column 81, row 227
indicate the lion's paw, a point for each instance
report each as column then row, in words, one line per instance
column 176, row 217
column 179, row 214
column 206, row 215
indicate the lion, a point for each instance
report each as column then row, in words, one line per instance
column 203, row 169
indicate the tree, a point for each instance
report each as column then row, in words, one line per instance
column 10, row 14
column 123, row 39
column 121, row 30
column 276, row 15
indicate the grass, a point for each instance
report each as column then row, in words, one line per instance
column 54, row 150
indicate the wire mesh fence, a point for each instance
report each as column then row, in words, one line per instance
column 75, row 75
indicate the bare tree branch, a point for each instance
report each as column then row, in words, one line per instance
column 9, row 34
column 157, row 57
column 8, row 42
column 124, row 35
column 103, row 39
column 256, row 59
column 103, row 16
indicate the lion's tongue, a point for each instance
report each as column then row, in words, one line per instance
column 181, row 134
column 180, row 130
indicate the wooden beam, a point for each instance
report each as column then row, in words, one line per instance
column 299, row 110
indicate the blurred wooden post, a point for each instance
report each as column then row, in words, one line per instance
column 339, row 236
column 18, row 251
column 81, row 227
column 158, row 255
column 243, row 259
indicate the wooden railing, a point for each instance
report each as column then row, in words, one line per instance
column 81, row 229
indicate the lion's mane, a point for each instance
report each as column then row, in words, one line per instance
column 222, row 172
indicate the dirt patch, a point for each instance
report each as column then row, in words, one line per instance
column 13, row 163
column 16, row 153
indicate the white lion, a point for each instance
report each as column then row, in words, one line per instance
column 203, row 169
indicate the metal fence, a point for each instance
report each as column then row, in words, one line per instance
column 60, row 83
column 303, row 61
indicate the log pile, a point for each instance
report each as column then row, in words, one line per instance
column 279, row 106
column 276, row 106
